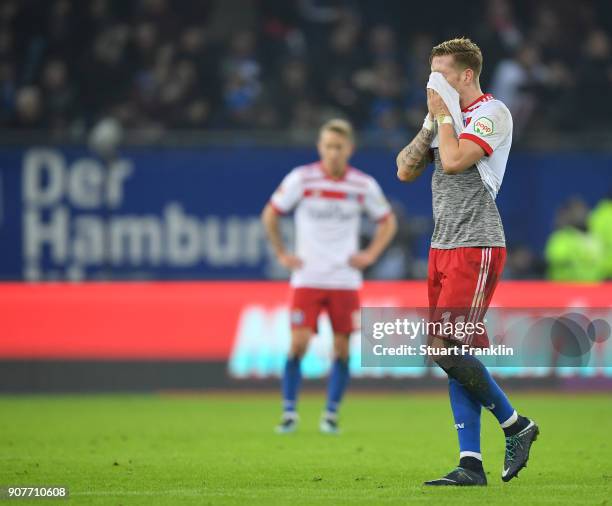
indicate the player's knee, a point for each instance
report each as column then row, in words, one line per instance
column 448, row 362
column 466, row 371
column 341, row 346
column 442, row 360
column 298, row 350
column 299, row 342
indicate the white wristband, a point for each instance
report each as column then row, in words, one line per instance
column 428, row 124
column 444, row 119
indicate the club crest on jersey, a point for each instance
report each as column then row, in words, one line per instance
column 483, row 126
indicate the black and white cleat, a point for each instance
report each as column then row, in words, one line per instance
column 517, row 450
column 460, row 477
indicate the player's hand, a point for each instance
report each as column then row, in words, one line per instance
column 362, row 260
column 289, row 262
column 435, row 104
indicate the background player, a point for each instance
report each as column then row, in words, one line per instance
column 329, row 197
column 467, row 248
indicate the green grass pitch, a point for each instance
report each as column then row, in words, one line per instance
column 220, row 449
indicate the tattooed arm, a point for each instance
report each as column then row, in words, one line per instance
column 413, row 159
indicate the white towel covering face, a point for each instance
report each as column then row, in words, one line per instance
column 439, row 84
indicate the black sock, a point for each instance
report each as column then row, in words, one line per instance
column 516, row 427
column 471, row 463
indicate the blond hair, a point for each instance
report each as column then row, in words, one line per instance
column 339, row 126
column 465, row 52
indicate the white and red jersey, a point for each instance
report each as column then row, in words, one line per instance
column 488, row 123
column 327, row 219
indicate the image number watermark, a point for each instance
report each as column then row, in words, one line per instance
column 30, row 492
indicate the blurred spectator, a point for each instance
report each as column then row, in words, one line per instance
column 499, row 34
column 241, row 71
column 417, row 69
column 105, row 137
column 600, row 226
column 399, row 261
column 341, row 61
column 594, row 74
column 571, row 252
column 58, row 95
column 28, row 109
column 7, row 92
column 382, row 44
column 515, row 83
column 523, row 263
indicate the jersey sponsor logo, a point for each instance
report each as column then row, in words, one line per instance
column 483, row 126
column 331, row 212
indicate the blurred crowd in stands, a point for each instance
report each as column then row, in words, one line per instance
column 68, row 67
column 289, row 64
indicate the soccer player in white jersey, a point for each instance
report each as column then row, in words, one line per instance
column 468, row 249
column 329, row 197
